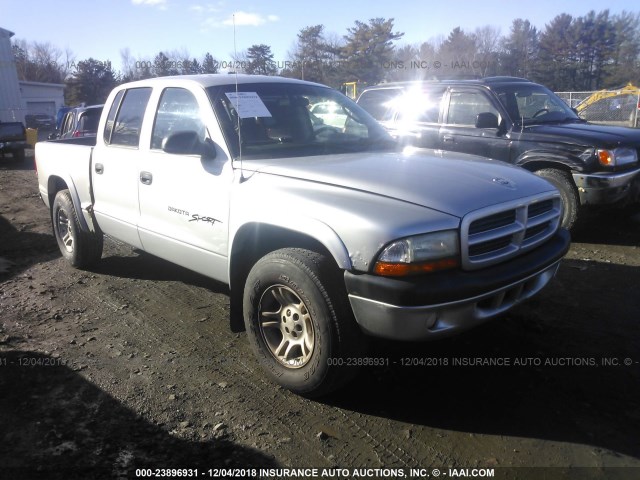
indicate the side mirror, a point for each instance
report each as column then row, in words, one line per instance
column 188, row 143
column 486, row 120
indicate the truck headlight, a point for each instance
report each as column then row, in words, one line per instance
column 419, row 254
column 617, row 157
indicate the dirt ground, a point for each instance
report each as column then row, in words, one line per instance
column 132, row 365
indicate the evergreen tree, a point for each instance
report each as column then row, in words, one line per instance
column 311, row 58
column 90, row 83
column 557, row 63
column 209, row 65
column 368, row 50
column 457, row 54
column 520, row 50
column 595, row 48
column 260, row 60
column 194, row 67
column 625, row 67
column 161, row 65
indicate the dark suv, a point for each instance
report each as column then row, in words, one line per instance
column 520, row 122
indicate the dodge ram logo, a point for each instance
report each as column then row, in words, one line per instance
column 504, row 182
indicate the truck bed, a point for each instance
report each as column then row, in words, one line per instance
column 66, row 160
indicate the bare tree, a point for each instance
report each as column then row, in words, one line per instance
column 488, row 40
column 41, row 61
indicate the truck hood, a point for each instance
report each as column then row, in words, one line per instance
column 590, row 134
column 455, row 184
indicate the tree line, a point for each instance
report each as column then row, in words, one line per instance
column 590, row 52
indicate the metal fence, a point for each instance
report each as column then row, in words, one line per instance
column 613, row 108
column 574, row 98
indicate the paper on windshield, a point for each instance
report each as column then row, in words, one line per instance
column 248, row 104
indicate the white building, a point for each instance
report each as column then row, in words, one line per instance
column 11, row 107
column 40, row 97
column 20, row 98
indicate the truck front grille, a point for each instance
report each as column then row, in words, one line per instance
column 497, row 233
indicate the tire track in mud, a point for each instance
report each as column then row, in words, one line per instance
column 155, row 337
column 178, row 320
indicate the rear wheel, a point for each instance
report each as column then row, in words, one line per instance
column 299, row 322
column 81, row 249
column 568, row 192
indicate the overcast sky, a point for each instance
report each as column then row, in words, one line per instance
column 102, row 29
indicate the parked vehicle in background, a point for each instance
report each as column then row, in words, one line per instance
column 79, row 122
column 323, row 234
column 330, row 113
column 60, row 115
column 39, row 121
column 619, row 107
column 520, row 122
column 13, row 139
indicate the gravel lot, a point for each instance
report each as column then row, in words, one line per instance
column 133, row 365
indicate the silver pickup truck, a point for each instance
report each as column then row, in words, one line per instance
column 323, row 230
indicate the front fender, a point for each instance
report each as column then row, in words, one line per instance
column 536, row 159
column 309, row 227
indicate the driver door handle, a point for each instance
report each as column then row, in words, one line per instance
column 146, row 178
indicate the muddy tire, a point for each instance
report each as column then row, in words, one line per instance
column 570, row 198
column 81, row 249
column 299, row 322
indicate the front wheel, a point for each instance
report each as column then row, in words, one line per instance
column 568, row 192
column 299, row 322
column 81, row 249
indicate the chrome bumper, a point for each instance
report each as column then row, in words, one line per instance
column 604, row 188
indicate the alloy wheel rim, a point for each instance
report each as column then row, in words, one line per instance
column 286, row 326
column 64, row 230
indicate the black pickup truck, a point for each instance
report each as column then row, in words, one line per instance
column 520, row 122
column 13, row 139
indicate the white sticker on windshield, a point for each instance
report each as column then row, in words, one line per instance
column 248, row 104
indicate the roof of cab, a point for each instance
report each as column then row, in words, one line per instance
column 487, row 81
column 214, row 79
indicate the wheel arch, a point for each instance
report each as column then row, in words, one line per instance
column 254, row 240
column 538, row 159
column 56, row 184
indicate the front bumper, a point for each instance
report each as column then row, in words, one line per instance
column 442, row 304
column 606, row 188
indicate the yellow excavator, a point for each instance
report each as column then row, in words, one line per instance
column 620, row 106
column 353, row 89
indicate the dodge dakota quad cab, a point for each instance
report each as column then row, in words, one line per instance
column 324, row 233
column 520, row 122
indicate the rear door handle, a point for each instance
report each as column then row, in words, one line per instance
column 146, row 178
column 448, row 139
column 99, row 168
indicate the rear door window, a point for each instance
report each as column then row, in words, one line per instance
column 125, row 130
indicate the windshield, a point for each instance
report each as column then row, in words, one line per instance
column 275, row 120
column 533, row 104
